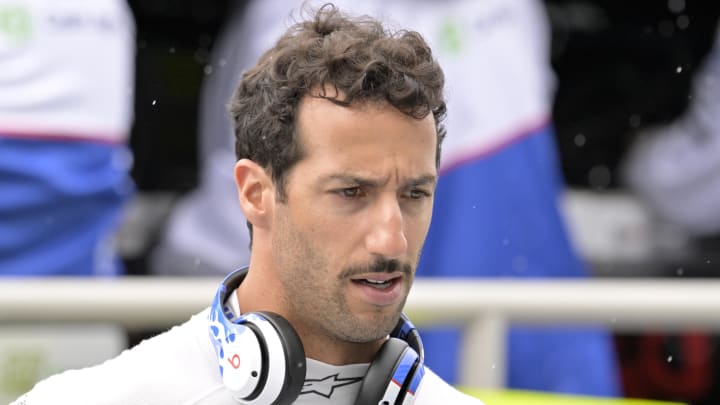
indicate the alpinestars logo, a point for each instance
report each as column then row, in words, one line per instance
column 326, row 386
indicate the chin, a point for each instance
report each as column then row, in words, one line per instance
column 379, row 325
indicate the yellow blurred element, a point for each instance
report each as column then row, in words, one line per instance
column 511, row 397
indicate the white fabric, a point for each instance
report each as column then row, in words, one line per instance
column 50, row 83
column 675, row 169
column 179, row 367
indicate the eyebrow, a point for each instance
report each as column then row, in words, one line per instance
column 373, row 183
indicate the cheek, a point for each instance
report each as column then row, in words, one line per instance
column 416, row 236
column 322, row 229
column 418, row 228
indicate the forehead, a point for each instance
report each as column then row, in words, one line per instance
column 372, row 143
column 322, row 124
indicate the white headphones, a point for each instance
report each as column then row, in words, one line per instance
column 262, row 360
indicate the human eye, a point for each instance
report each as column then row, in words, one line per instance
column 418, row 194
column 351, row 192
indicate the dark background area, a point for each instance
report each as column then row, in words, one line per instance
column 174, row 42
column 621, row 67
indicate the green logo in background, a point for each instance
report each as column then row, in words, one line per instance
column 451, row 37
column 15, row 23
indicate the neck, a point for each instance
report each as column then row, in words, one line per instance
column 322, row 347
column 261, row 290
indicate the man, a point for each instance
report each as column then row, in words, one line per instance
column 496, row 210
column 338, row 132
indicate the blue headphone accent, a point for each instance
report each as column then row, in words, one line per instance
column 262, row 360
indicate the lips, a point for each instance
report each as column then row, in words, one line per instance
column 379, row 289
column 376, row 278
column 377, row 283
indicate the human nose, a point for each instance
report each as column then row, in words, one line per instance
column 386, row 236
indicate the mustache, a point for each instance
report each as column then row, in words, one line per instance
column 379, row 265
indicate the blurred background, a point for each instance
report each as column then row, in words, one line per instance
column 625, row 72
column 620, row 70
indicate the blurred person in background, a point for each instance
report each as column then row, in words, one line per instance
column 675, row 169
column 496, row 212
column 205, row 233
column 66, row 80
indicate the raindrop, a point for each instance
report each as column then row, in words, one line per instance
column 680, row 271
column 635, row 120
column 599, row 177
column 682, row 22
column 207, row 69
column 172, row 49
column 154, row 102
column 579, row 140
column 678, row 69
column 222, row 62
column 707, row 261
column 676, row 6
column 669, row 359
column 201, row 55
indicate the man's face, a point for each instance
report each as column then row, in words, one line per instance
column 347, row 239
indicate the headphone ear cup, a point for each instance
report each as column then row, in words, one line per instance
column 294, row 358
column 381, row 371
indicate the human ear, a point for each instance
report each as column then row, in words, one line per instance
column 255, row 192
